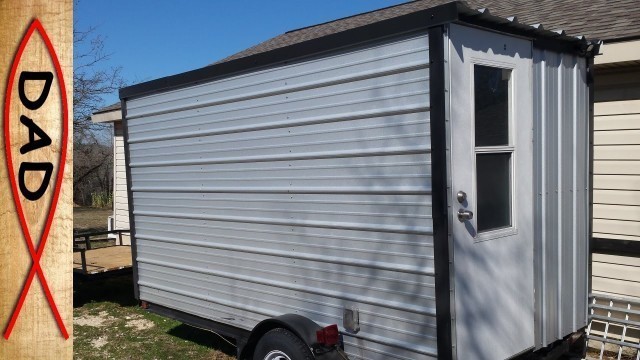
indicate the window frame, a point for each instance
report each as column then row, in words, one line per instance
column 510, row 148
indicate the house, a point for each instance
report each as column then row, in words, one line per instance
column 616, row 142
column 120, row 218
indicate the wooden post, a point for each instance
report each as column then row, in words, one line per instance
column 35, row 334
column 83, row 258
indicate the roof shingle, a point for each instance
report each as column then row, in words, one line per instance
column 595, row 19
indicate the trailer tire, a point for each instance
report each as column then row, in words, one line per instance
column 281, row 344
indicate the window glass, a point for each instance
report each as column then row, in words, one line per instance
column 491, row 92
column 493, row 172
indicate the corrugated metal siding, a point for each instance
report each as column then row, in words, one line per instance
column 561, row 173
column 299, row 189
column 120, row 200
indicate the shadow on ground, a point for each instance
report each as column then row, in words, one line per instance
column 115, row 289
column 114, row 295
column 204, row 338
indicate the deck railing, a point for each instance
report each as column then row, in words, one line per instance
column 86, row 239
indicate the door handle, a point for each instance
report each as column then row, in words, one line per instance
column 461, row 196
column 464, row 215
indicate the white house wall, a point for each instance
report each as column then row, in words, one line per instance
column 299, row 189
column 120, row 200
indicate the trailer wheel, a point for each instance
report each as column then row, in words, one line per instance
column 281, row 344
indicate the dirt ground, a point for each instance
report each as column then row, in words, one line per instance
column 593, row 353
column 109, row 324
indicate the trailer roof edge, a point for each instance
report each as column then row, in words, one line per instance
column 417, row 21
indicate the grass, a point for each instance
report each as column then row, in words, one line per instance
column 88, row 219
column 109, row 324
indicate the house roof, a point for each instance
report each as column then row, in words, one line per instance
column 112, row 107
column 594, row 19
column 407, row 17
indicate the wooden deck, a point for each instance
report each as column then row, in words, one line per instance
column 103, row 260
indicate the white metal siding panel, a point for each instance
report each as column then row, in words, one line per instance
column 300, row 189
column 561, row 170
column 120, row 200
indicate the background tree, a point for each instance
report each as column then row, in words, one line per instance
column 93, row 151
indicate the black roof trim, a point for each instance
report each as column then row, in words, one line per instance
column 456, row 11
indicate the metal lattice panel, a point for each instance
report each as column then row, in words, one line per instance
column 614, row 327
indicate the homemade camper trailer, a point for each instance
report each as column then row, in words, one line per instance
column 420, row 180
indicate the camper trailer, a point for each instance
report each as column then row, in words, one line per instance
column 387, row 186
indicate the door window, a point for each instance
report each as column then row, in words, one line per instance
column 493, row 147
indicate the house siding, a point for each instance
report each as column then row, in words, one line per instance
column 120, row 200
column 616, row 194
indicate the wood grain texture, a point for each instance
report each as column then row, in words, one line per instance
column 104, row 259
column 36, row 334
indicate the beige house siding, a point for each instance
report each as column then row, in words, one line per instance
column 616, row 181
column 120, row 200
column 617, row 275
column 616, row 194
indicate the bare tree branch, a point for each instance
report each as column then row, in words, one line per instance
column 92, row 80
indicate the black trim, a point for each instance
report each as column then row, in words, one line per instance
column 590, row 244
column 439, row 191
column 456, row 11
column 615, row 247
column 132, row 222
column 419, row 20
column 304, row 328
column 240, row 335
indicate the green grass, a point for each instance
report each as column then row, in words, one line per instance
column 109, row 324
column 88, row 219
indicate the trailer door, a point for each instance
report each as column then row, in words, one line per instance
column 491, row 194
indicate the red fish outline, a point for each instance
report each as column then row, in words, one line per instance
column 36, row 254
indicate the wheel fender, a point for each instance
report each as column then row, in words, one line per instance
column 301, row 326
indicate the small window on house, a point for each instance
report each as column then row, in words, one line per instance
column 493, row 147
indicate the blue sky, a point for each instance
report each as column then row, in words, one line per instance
column 152, row 39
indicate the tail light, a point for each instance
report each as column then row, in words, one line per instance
column 328, row 336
